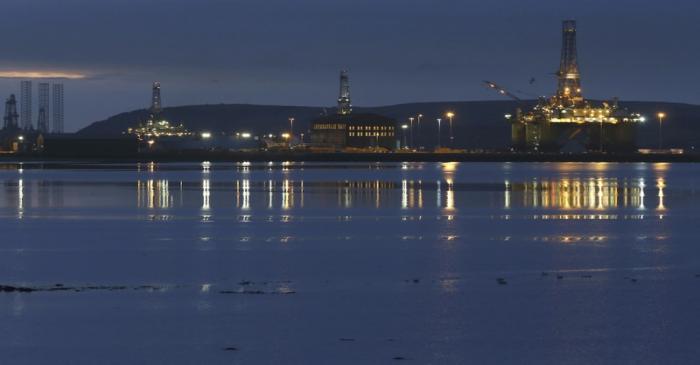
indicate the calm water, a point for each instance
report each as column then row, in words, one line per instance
column 312, row 263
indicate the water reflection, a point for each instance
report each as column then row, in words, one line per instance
column 591, row 193
column 206, row 194
column 153, row 194
column 444, row 193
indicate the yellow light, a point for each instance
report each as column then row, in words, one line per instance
column 285, row 135
column 450, row 114
column 661, row 115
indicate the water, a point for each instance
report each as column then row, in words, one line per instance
column 318, row 263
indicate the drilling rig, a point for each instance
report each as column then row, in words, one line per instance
column 566, row 118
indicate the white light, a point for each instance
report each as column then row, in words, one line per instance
column 206, row 135
column 21, row 138
column 245, row 135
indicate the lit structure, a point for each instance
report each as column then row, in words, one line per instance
column 156, row 126
column 344, row 103
column 565, row 117
column 352, row 131
column 10, row 119
column 661, row 116
column 42, row 123
column 156, row 104
column 25, row 99
column 450, row 116
column 58, row 109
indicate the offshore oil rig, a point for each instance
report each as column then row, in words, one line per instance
column 567, row 120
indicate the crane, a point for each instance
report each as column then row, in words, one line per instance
column 502, row 91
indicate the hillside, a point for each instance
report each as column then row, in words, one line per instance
column 479, row 124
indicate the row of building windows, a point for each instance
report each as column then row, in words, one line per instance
column 370, row 128
column 333, row 126
column 371, row 134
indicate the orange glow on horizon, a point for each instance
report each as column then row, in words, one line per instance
column 41, row 75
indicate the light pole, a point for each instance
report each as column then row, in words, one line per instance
column 601, row 135
column 661, row 116
column 291, row 127
column 404, row 128
column 451, row 115
column 439, row 120
column 411, row 131
column 420, row 116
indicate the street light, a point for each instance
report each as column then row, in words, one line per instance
column 420, row 116
column 404, row 127
column 661, row 116
column 291, row 126
column 439, row 120
column 451, row 115
column 411, row 120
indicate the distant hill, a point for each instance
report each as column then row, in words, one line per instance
column 478, row 124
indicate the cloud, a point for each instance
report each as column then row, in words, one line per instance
column 42, row 75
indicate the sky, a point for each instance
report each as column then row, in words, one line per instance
column 289, row 52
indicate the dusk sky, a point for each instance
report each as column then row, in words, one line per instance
column 290, row 51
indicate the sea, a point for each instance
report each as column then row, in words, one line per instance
column 349, row 263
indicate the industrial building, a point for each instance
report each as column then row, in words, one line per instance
column 567, row 120
column 346, row 131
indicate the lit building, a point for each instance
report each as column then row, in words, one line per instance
column 347, row 131
column 354, row 131
column 58, row 114
column 25, row 113
column 42, row 123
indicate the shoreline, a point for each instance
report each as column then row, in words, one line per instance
column 196, row 156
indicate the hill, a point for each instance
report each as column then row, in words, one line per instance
column 478, row 124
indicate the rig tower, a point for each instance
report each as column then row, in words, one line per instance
column 344, row 104
column 42, row 123
column 58, row 103
column 26, row 104
column 569, row 90
column 156, row 106
column 10, row 120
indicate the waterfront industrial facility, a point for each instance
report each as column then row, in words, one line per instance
column 18, row 134
column 564, row 122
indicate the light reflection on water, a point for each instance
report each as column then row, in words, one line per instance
column 568, row 191
column 566, row 194
column 592, row 194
